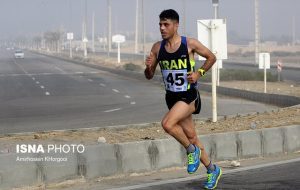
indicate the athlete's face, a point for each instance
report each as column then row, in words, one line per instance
column 168, row 28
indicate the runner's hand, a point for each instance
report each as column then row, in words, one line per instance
column 149, row 60
column 193, row 77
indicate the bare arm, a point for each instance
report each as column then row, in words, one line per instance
column 151, row 61
column 203, row 51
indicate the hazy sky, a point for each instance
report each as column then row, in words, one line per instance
column 33, row 17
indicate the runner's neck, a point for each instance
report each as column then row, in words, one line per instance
column 173, row 41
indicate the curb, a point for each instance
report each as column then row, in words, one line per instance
column 123, row 158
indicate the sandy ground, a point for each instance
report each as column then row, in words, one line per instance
column 275, row 118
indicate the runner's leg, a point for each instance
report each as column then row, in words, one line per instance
column 178, row 112
column 189, row 130
column 214, row 172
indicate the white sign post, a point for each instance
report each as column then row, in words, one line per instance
column 264, row 63
column 103, row 41
column 70, row 37
column 219, row 66
column 85, row 41
column 118, row 39
column 212, row 33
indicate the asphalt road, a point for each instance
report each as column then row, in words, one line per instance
column 271, row 176
column 40, row 93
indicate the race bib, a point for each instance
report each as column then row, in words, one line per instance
column 175, row 80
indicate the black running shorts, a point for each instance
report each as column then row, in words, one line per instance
column 188, row 97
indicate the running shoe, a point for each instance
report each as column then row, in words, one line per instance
column 193, row 160
column 213, row 178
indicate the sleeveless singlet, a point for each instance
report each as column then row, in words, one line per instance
column 175, row 67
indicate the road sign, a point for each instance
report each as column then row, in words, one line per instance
column 70, row 36
column 264, row 60
column 102, row 40
column 213, row 35
column 85, row 40
column 279, row 66
column 118, row 38
column 264, row 63
column 279, row 69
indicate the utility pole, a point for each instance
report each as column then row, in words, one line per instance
column 144, row 34
column 136, row 47
column 85, row 40
column 109, row 27
column 294, row 31
column 93, row 32
column 184, row 17
column 257, row 31
column 70, row 16
column 82, row 33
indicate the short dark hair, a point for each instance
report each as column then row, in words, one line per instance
column 169, row 14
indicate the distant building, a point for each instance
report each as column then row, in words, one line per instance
column 264, row 44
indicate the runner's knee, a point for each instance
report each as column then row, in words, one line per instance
column 167, row 125
column 193, row 139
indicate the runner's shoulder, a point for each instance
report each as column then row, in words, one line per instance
column 156, row 47
column 191, row 41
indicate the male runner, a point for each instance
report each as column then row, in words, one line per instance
column 175, row 55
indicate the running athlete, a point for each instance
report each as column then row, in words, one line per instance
column 175, row 56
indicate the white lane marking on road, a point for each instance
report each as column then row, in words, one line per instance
column 126, row 96
column 197, row 177
column 46, row 73
column 38, row 74
column 132, row 103
column 22, row 68
column 115, row 90
column 90, row 80
column 94, row 72
column 112, row 110
column 61, row 70
column 30, row 75
column 101, row 84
